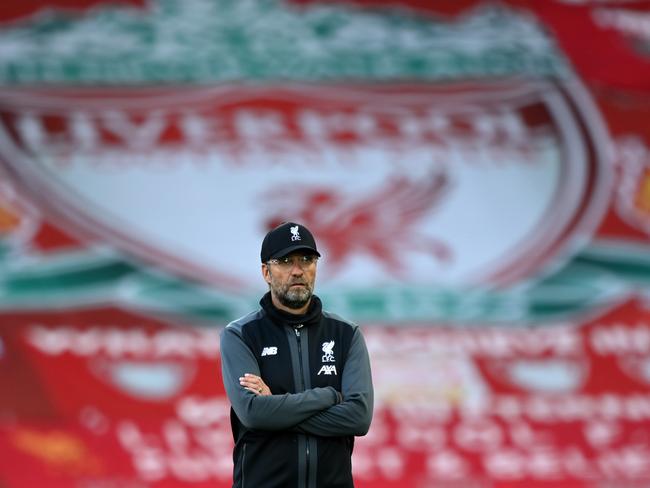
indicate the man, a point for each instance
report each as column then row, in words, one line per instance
column 297, row 377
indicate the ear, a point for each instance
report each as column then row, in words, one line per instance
column 266, row 273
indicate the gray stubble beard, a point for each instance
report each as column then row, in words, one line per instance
column 291, row 298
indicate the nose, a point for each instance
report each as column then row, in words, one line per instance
column 296, row 269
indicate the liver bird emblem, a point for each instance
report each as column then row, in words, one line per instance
column 382, row 223
column 328, row 349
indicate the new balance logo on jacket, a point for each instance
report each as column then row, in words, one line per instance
column 269, row 351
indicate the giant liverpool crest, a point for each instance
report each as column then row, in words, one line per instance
column 446, row 156
column 448, row 184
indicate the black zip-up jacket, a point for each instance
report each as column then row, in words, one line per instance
column 317, row 368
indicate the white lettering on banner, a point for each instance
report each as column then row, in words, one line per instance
column 625, row 463
column 627, row 460
column 150, row 464
column 137, row 134
column 474, row 435
column 201, row 412
column 447, row 464
column 481, row 132
column 569, row 408
column 124, row 342
column 577, row 464
column 259, row 125
column 523, row 436
column 534, row 447
column 384, row 462
column 180, row 452
column 632, row 23
column 503, row 449
column 482, row 435
column 422, row 414
column 556, row 340
column 505, row 463
column 421, row 437
column 513, row 464
column 391, row 463
column 599, row 433
column 619, row 338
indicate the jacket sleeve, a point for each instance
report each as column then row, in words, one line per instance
column 272, row 412
column 353, row 415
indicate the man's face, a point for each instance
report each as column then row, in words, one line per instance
column 291, row 279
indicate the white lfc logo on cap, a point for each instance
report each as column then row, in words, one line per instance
column 295, row 236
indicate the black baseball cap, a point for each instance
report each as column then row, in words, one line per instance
column 286, row 238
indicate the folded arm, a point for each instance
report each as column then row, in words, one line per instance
column 265, row 412
column 353, row 415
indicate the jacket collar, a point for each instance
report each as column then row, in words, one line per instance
column 280, row 317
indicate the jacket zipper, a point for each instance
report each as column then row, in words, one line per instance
column 243, row 465
column 302, row 379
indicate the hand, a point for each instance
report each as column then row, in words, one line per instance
column 254, row 384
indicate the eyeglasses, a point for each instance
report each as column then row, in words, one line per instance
column 287, row 262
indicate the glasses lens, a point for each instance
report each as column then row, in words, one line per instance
column 289, row 261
